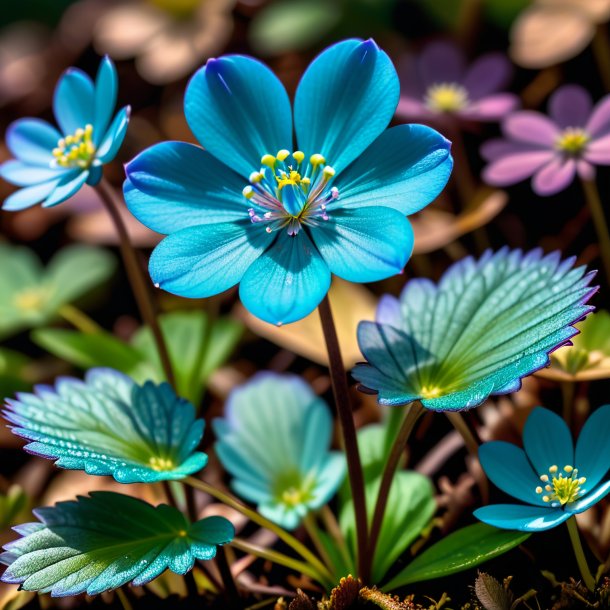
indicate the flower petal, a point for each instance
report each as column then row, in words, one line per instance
column 405, row 168
column 491, row 108
column 345, row 100
column 441, row 62
column 32, row 141
column 239, row 111
column 547, row 441
column 570, row 106
column 487, row 75
column 174, row 185
column 364, row 244
column 516, row 167
column 28, row 196
column 73, row 101
column 599, row 121
column 531, row 127
column 592, row 457
column 67, row 186
column 520, row 517
column 554, row 177
column 508, row 468
column 590, row 499
column 22, row 174
column 598, row 151
column 388, row 310
column 410, row 109
column 113, row 138
column 106, row 86
column 204, row 260
column 492, row 150
column 288, row 282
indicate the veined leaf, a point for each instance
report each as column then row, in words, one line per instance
column 108, row 425
column 461, row 550
column 106, row 540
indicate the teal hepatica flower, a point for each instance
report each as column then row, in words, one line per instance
column 274, row 440
column 52, row 165
column 554, row 479
column 109, row 425
column 253, row 209
column 479, row 331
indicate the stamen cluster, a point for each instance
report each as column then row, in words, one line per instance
column 572, row 141
column 76, row 150
column 446, row 97
column 561, row 488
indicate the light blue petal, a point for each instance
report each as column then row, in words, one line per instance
column 590, row 499
column 113, row 139
column 106, row 85
column 405, row 168
column 239, row 111
column 288, row 282
column 344, row 101
column 32, row 141
column 23, row 174
column 593, row 447
column 329, row 479
column 364, row 244
column 508, row 468
column 388, row 310
column 522, row 518
column 547, row 441
column 28, row 196
column 174, row 185
column 288, row 518
column 73, row 101
column 67, row 186
column 204, row 260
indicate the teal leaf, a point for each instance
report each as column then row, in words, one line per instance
column 461, row 550
column 409, row 510
column 479, row 331
column 31, row 295
column 106, row 540
column 108, row 425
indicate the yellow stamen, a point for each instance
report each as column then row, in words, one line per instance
column 317, row 159
column 161, row 464
column 572, row 141
column 283, row 154
column 446, row 97
column 76, row 150
column 268, row 160
column 328, row 172
column 562, row 489
column 298, row 156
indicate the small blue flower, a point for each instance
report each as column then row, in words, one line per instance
column 53, row 165
column 486, row 324
column 555, row 480
column 277, row 219
column 274, row 440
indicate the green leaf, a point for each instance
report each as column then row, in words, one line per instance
column 294, row 25
column 108, row 425
column 88, row 350
column 13, row 374
column 12, row 504
column 106, row 540
column 464, row 549
column 409, row 509
column 501, row 12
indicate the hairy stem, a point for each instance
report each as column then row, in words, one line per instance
column 348, row 431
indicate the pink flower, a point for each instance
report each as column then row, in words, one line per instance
column 572, row 140
column 437, row 85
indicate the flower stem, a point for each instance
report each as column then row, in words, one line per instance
column 599, row 220
column 601, row 51
column 411, row 416
column 282, row 534
column 79, row 319
column 348, row 430
column 280, row 559
column 580, row 554
column 309, row 521
column 332, row 527
column 125, row 603
column 229, row 584
column 139, row 285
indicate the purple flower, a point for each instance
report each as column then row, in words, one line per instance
column 437, row 85
column 572, row 140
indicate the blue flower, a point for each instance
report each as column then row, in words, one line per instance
column 274, row 440
column 52, row 165
column 277, row 219
column 555, row 480
column 479, row 331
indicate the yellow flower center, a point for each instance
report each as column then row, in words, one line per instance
column 293, row 489
column 446, row 97
column 161, row 464
column 572, row 141
column 76, row 150
column 430, row 392
column 177, row 8
column 561, row 487
column 30, row 300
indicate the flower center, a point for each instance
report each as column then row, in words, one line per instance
column 32, row 299
column 572, row 141
column 446, row 97
column 289, row 192
column 76, row 150
column 430, row 392
column 161, row 464
column 293, row 489
column 561, row 487
column 177, row 8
